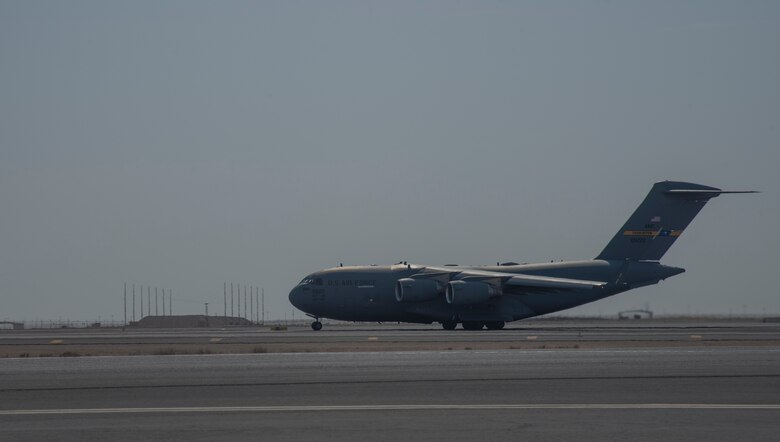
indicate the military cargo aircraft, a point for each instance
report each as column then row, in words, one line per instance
column 490, row 296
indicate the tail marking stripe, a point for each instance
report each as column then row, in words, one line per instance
column 653, row 233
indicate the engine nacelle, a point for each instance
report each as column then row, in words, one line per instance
column 416, row 290
column 469, row 292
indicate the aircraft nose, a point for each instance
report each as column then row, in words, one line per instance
column 295, row 297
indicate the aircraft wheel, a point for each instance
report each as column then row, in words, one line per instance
column 316, row 325
column 449, row 325
column 494, row 325
column 473, row 325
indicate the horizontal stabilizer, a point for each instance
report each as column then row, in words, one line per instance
column 704, row 193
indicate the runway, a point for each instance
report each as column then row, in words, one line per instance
column 389, row 337
column 719, row 393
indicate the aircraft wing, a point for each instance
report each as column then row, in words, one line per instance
column 546, row 282
column 521, row 283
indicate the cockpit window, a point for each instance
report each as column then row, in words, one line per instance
column 311, row 280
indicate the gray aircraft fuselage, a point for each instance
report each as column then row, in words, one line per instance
column 478, row 296
column 367, row 293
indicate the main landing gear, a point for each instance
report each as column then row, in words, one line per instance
column 494, row 325
column 474, row 325
column 449, row 325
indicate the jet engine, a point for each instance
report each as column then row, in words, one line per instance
column 416, row 290
column 469, row 292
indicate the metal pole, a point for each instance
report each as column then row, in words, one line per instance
column 245, row 301
column 231, row 299
column 170, row 302
column 125, row 323
column 262, row 291
column 142, row 301
column 224, row 296
column 207, row 308
column 251, row 304
column 133, row 302
column 156, row 303
column 149, row 300
column 163, row 303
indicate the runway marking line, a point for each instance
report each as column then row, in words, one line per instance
column 311, row 408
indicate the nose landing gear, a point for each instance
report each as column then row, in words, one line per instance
column 316, row 325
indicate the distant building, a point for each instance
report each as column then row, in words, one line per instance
column 8, row 325
column 190, row 321
column 635, row 314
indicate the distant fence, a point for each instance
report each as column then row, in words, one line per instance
column 35, row 324
column 217, row 321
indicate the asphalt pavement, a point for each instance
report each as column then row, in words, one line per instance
column 719, row 393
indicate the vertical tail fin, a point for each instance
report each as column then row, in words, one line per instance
column 659, row 220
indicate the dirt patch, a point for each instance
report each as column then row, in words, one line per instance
column 76, row 350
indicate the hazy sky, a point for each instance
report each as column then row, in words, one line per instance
column 182, row 144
